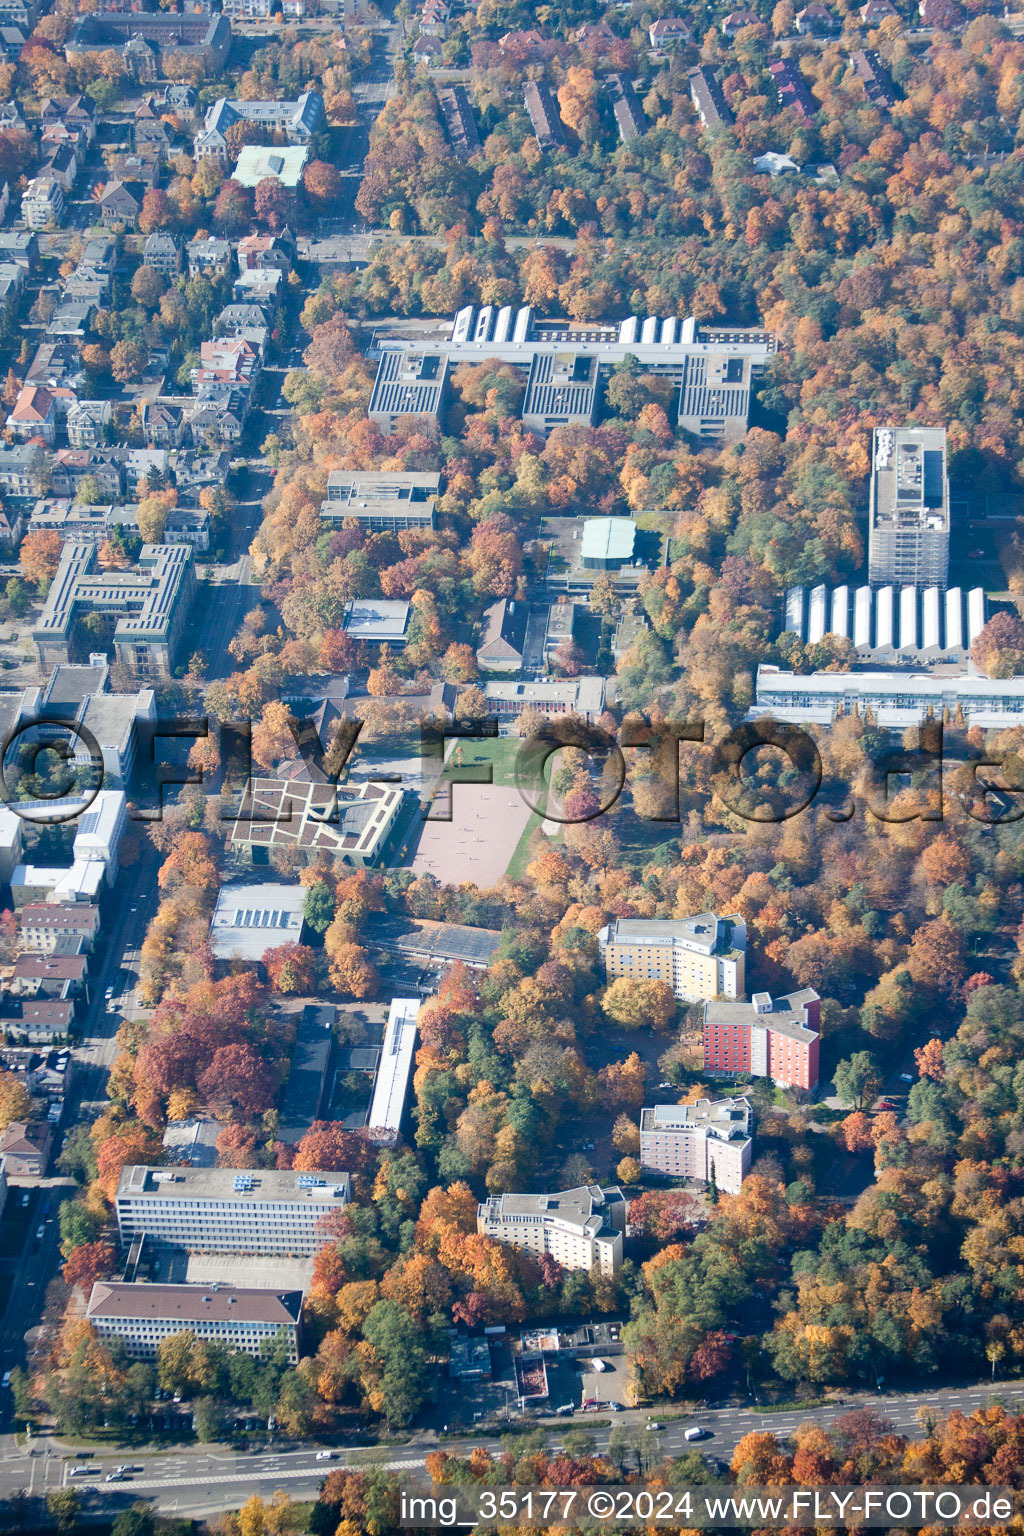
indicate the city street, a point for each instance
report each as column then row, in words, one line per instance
column 201, row 1480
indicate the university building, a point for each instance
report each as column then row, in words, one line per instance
column 580, row 1228
column 699, row 957
column 143, row 1315
column 219, row 1210
column 767, row 1037
column 690, row 1141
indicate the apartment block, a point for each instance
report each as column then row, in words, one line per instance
column 44, row 925
column 908, row 531
column 692, row 1141
column 580, row 1228
column 217, row 1210
column 143, row 1315
column 699, row 957
column 767, row 1037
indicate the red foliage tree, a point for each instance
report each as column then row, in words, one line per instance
column 239, row 1076
column 88, row 1263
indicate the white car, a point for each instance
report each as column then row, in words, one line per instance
column 325, row 1455
column 696, row 1433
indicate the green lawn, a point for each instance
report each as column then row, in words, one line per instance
column 519, row 860
column 499, row 751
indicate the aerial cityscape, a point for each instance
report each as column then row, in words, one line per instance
column 511, row 869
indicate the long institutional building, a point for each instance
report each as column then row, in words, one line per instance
column 694, row 1141
column 699, row 957
column 221, row 1210
column 908, row 528
column 564, row 367
column 580, row 1228
column 895, row 699
column 242, row 1319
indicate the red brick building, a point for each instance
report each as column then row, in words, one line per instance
column 767, row 1037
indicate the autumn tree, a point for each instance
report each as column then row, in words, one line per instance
column 39, row 555
column 639, row 1004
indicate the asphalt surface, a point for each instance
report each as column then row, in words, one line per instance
column 201, row 1480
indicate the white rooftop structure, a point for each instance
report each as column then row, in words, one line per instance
column 890, row 624
column 392, row 1082
column 250, row 919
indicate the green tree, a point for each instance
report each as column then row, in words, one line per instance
column 18, row 596
column 318, row 909
column 401, row 1379
column 857, row 1079
column 78, row 1155
column 78, row 1225
column 175, row 1359
column 209, row 1422
column 64, row 1506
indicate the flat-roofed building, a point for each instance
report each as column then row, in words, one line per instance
column 583, row 696
column 562, row 391
column 409, row 383
column 309, row 1074
column 146, row 608
column 377, row 621
column 224, row 1210
column 143, row 1315
column 908, row 531
column 250, row 919
column 692, row 1141
column 580, row 1228
column 352, row 822
column 607, row 543
column 381, row 501
column 713, row 367
column 698, row 957
column 392, row 1081
column 767, row 1037
column 896, row 699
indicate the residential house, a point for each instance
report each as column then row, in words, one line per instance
column 874, row 12
column 162, row 252
column 62, row 165
column 71, row 465
column 427, row 49
column 22, row 468
column 816, row 20
column 708, row 99
column 182, row 100
column 162, row 425
column 256, row 252
column 35, row 413
column 120, row 204
column 668, row 30
column 736, row 21
column 88, row 422
column 792, row 89
column 142, row 167
column 596, row 38
column 142, row 464
column 25, row 1148
column 209, row 256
